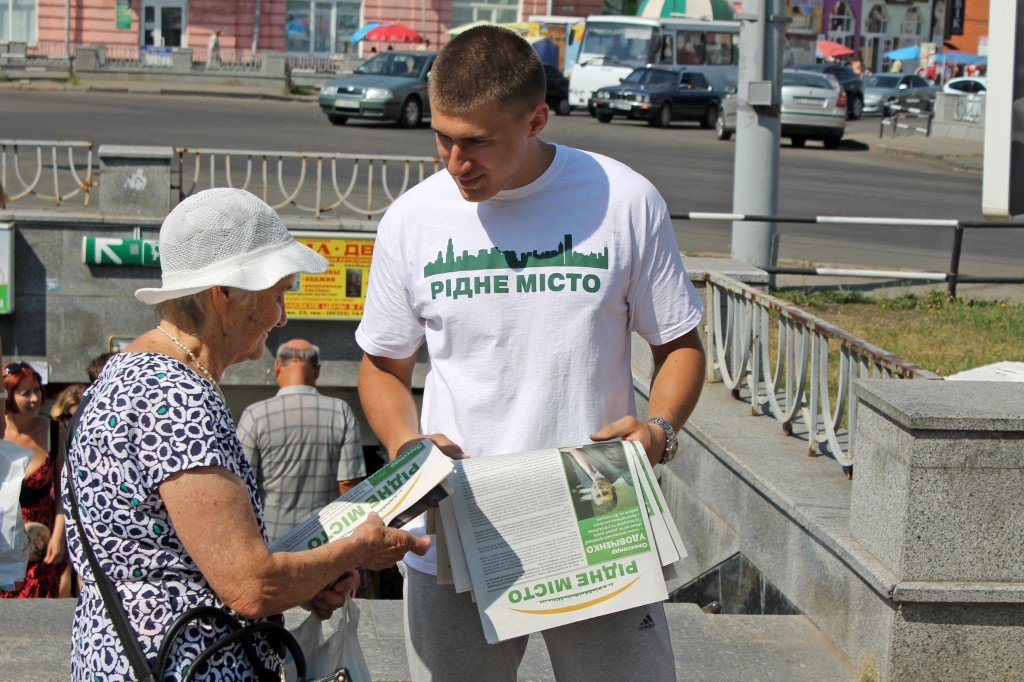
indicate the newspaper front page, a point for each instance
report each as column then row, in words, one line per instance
column 554, row 536
column 399, row 492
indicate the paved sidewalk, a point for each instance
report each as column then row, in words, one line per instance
column 957, row 154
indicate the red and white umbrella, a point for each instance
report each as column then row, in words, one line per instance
column 393, row 33
column 830, row 49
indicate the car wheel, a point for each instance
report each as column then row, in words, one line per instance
column 721, row 132
column 709, row 118
column 563, row 108
column 411, row 114
column 664, row 119
column 604, row 118
column 337, row 119
column 856, row 108
column 833, row 142
column 798, row 140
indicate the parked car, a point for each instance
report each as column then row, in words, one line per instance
column 660, row 95
column 966, row 85
column 851, row 83
column 390, row 86
column 886, row 90
column 813, row 107
column 557, row 96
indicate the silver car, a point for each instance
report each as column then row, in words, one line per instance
column 887, row 90
column 813, row 107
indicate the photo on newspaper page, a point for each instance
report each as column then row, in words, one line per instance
column 400, row 491
column 554, row 537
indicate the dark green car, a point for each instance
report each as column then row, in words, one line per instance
column 390, row 86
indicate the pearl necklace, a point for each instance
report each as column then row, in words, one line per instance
column 190, row 354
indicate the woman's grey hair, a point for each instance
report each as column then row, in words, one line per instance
column 310, row 356
column 193, row 306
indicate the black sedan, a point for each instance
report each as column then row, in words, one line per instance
column 660, row 95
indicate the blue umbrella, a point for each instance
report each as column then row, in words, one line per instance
column 961, row 58
column 361, row 32
column 905, row 53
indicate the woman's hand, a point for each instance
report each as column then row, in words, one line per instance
column 55, row 549
column 381, row 546
column 333, row 597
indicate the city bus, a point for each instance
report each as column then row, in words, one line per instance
column 613, row 46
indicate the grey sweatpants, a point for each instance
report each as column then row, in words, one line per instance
column 444, row 641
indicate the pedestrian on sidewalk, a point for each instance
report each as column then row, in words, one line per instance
column 213, row 49
column 523, row 353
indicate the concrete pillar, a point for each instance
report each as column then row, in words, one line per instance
column 135, row 180
column 938, row 499
column 181, row 60
column 273, row 65
column 88, row 58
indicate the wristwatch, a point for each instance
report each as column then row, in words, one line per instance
column 671, row 443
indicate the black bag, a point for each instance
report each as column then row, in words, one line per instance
column 146, row 672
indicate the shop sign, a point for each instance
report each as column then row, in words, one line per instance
column 116, row 251
column 340, row 292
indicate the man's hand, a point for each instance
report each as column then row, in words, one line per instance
column 381, row 547
column 324, row 602
column 443, row 443
column 650, row 436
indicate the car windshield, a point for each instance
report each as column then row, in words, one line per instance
column 651, row 77
column 617, row 43
column 393, row 64
column 806, row 80
column 882, row 81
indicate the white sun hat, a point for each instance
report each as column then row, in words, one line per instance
column 226, row 237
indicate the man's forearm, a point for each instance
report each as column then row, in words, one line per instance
column 678, row 379
column 387, row 400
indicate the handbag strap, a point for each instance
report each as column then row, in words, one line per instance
column 129, row 640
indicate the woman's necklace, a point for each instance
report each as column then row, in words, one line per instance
column 190, row 354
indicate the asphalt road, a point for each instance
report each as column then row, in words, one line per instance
column 689, row 166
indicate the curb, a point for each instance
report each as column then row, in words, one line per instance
column 958, row 162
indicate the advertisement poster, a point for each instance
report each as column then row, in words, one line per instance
column 124, row 15
column 339, row 292
column 6, row 269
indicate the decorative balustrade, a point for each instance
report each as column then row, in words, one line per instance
column 310, row 182
column 793, row 366
column 57, row 170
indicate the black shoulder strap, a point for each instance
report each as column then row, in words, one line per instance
column 54, row 443
column 130, row 641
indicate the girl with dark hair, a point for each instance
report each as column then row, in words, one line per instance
column 40, row 507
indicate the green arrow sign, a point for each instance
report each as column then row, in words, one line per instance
column 115, row 251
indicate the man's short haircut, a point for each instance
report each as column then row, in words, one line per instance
column 483, row 66
column 310, row 355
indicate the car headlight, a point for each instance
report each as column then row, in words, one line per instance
column 377, row 93
column 327, row 90
column 645, row 98
column 602, row 94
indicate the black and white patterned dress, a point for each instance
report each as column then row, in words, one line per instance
column 148, row 417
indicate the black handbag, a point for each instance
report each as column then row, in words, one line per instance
column 144, row 670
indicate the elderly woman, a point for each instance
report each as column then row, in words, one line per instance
column 168, row 500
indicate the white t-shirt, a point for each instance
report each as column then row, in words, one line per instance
column 526, row 303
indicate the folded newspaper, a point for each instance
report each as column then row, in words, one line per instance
column 399, row 492
column 540, row 539
column 552, row 537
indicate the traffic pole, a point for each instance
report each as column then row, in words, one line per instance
column 758, row 128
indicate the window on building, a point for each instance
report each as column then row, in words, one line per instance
column 878, row 22
column 320, row 26
column 842, row 19
column 911, row 22
column 18, row 21
column 496, row 11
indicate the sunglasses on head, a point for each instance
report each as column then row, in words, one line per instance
column 16, row 368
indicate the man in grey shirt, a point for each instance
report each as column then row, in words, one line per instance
column 304, row 447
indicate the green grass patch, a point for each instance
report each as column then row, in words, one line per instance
column 932, row 331
column 293, row 89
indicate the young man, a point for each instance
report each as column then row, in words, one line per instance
column 523, row 267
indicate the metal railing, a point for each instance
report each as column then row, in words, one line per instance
column 326, row 64
column 58, row 166
column 49, row 52
column 951, row 277
column 232, row 60
column 311, row 182
column 913, row 110
column 793, row 366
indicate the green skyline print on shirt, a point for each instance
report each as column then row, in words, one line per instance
column 496, row 259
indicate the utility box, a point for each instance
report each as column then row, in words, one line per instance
column 135, row 180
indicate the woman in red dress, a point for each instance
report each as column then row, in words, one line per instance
column 44, row 520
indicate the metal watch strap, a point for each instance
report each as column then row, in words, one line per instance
column 671, row 443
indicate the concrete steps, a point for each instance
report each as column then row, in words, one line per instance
column 35, row 644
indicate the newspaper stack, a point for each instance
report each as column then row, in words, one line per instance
column 552, row 537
